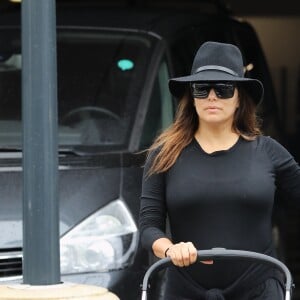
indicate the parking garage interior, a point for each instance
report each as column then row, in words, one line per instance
column 277, row 24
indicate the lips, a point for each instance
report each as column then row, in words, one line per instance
column 212, row 108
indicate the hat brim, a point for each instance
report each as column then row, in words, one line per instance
column 253, row 87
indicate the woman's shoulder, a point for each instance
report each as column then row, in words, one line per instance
column 151, row 154
column 268, row 142
column 267, row 145
column 272, row 147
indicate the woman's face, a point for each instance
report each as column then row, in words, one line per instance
column 215, row 104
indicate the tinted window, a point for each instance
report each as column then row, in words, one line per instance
column 99, row 84
column 160, row 109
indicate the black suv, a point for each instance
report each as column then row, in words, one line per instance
column 113, row 69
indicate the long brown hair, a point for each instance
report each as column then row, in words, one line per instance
column 174, row 139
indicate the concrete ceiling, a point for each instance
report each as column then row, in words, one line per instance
column 238, row 7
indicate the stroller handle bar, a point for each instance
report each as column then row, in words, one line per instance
column 222, row 253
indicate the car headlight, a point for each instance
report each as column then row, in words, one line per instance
column 106, row 240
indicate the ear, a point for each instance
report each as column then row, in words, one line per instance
column 238, row 102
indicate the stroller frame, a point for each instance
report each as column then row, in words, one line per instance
column 222, row 253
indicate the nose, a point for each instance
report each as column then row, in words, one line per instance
column 212, row 95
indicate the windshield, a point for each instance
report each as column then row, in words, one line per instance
column 100, row 78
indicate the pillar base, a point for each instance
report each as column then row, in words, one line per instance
column 63, row 291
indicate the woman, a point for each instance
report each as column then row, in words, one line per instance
column 214, row 174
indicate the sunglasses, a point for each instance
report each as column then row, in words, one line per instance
column 223, row 90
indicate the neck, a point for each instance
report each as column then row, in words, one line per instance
column 214, row 139
column 215, row 132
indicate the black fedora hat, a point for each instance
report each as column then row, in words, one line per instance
column 218, row 62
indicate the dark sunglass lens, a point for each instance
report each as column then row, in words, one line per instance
column 224, row 90
column 200, row 90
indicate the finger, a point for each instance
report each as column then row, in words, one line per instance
column 179, row 256
column 178, row 261
column 193, row 252
column 175, row 256
column 207, row 262
column 185, row 254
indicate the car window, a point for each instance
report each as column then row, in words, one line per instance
column 99, row 84
column 160, row 111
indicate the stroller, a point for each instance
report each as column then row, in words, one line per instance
column 222, row 253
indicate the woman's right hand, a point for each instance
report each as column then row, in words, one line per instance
column 184, row 254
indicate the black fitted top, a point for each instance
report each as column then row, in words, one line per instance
column 222, row 199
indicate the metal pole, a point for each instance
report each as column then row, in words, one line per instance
column 41, row 264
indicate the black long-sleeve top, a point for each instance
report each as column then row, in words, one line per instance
column 223, row 199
